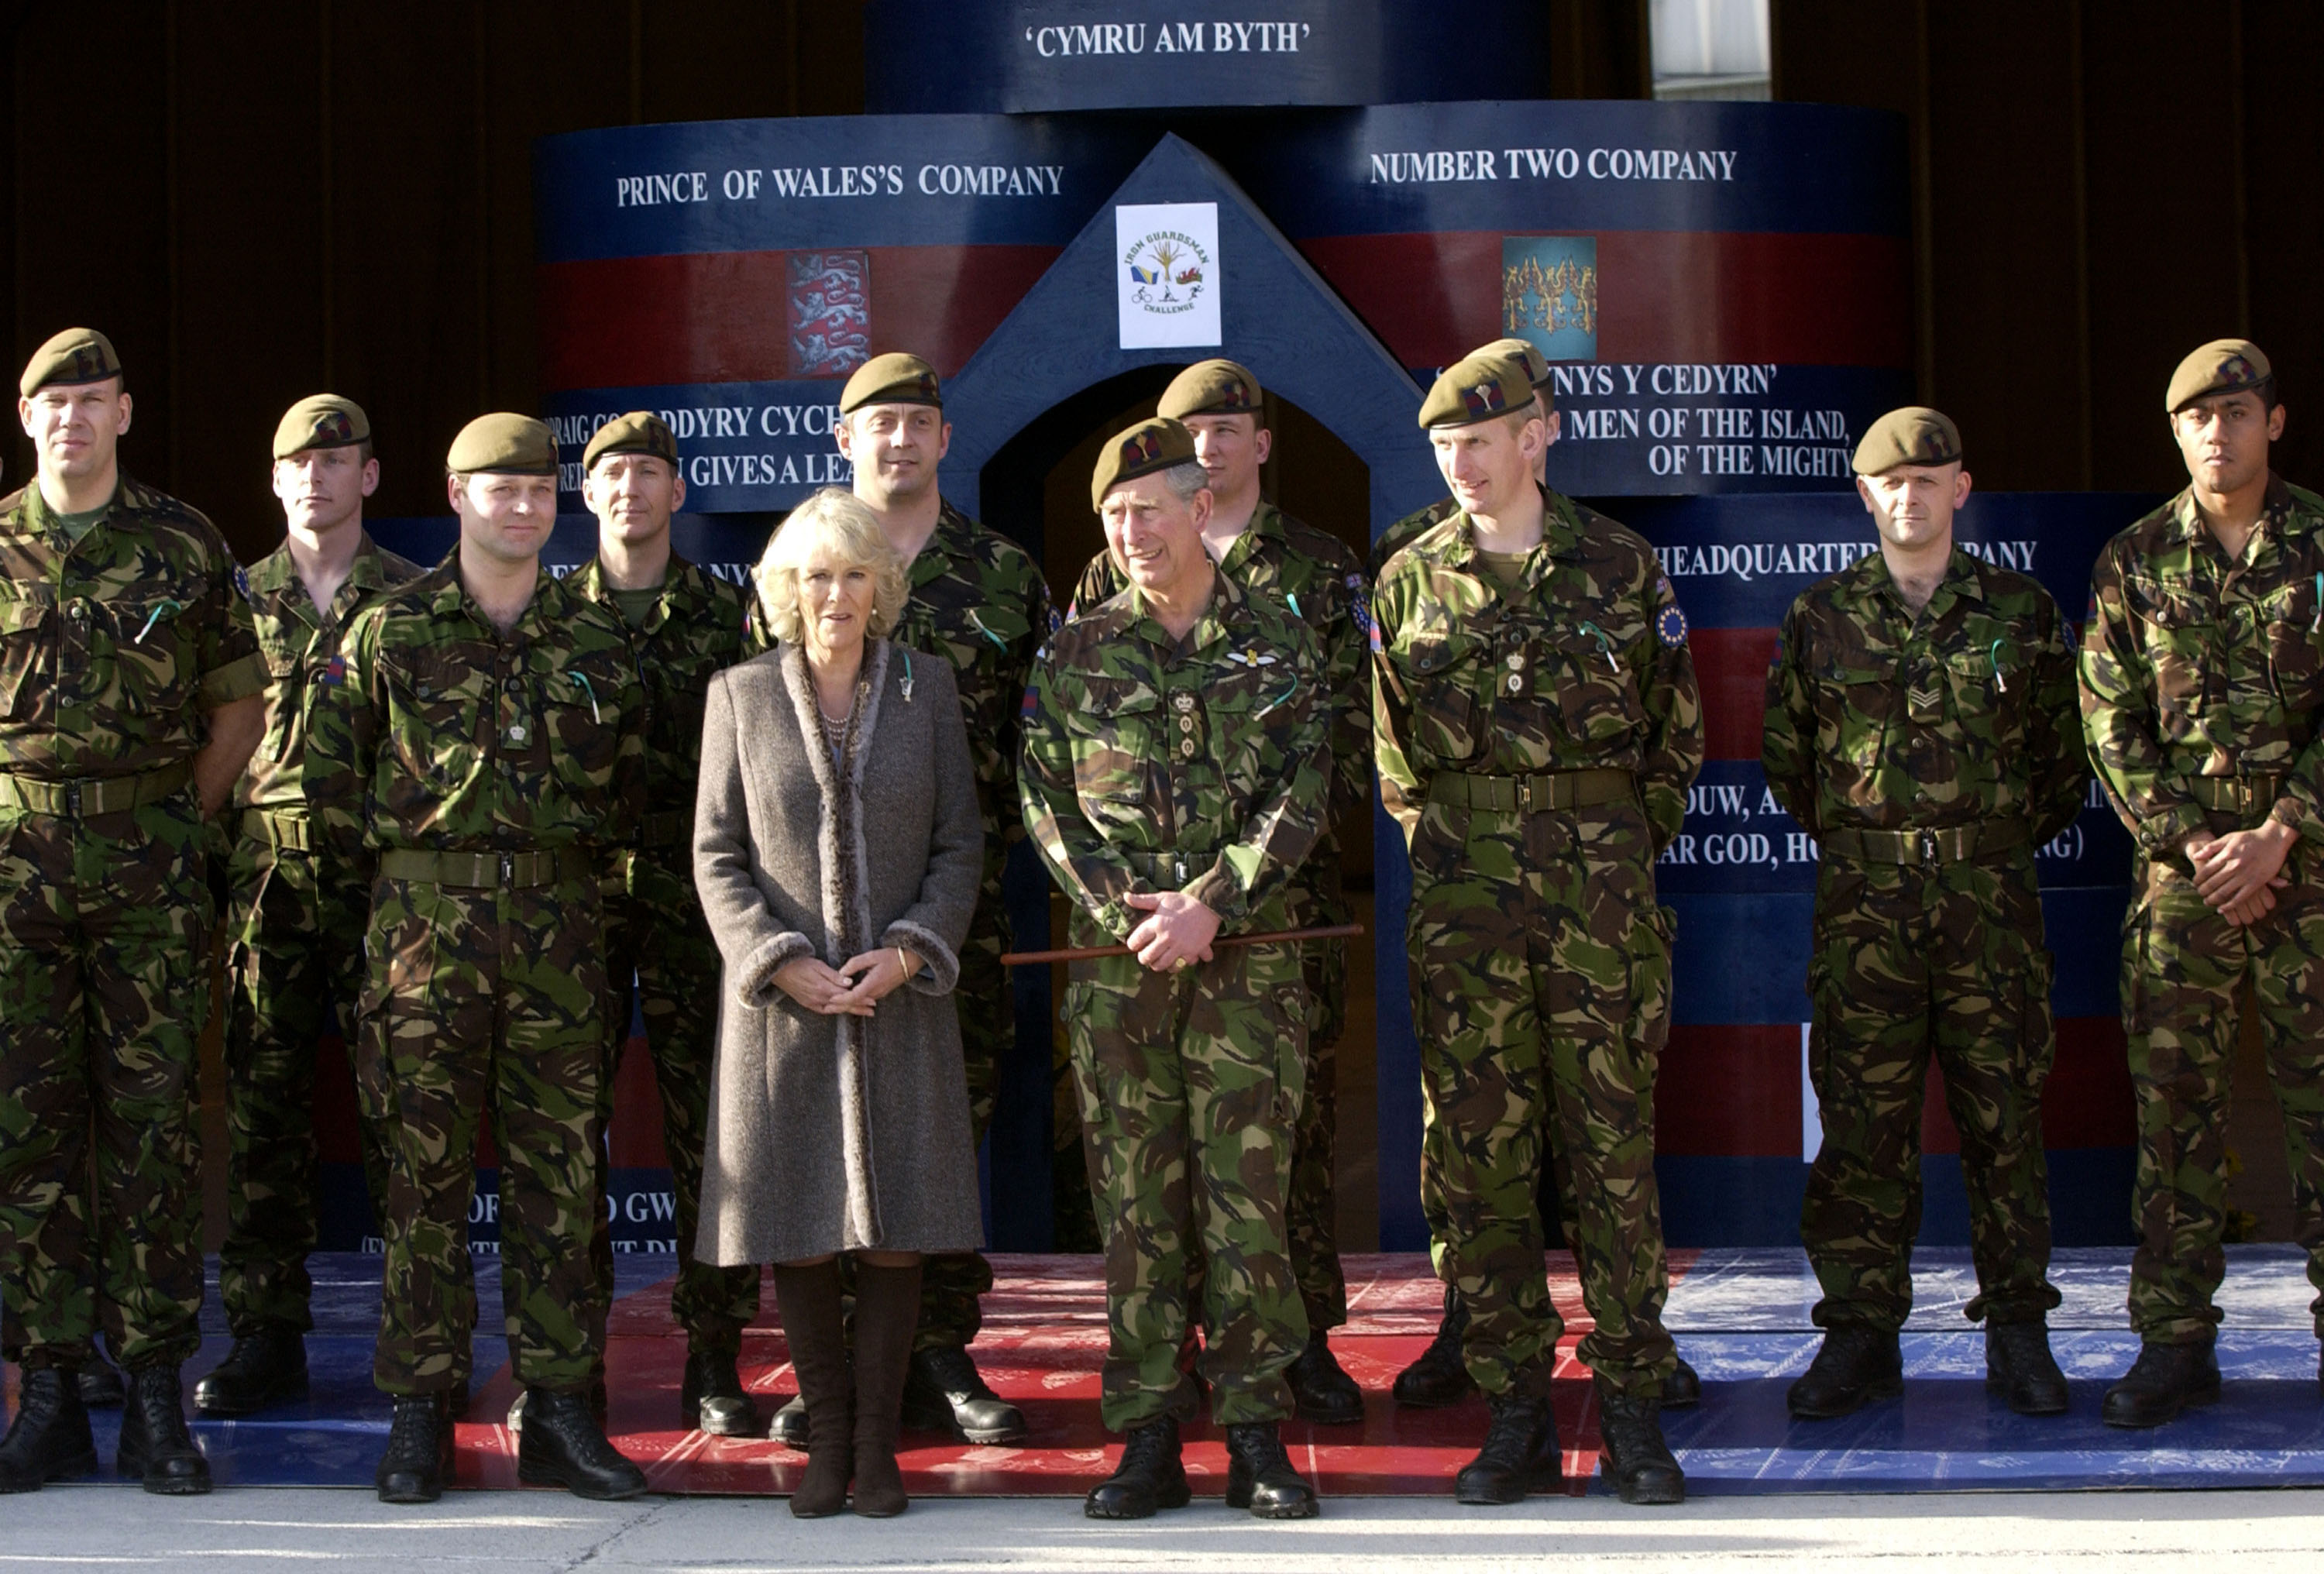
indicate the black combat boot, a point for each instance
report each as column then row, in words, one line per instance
column 262, row 1368
column 789, row 1426
column 1150, row 1477
column 943, row 1392
column 1439, row 1378
column 2018, row 1365
column 1857, row 1363
column 1259, row 1477
column 711, row 1396
column 563, row 1444
column 154, row 1442
column 50, row 1440
column 1683, row 1387
column 1630, row 1429
column 1520, row 1455
column 418, row 1456
column 2165, row 1380
column 101, row 1387
column 1324, row 1393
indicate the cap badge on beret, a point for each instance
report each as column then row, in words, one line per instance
column 1141, row 448
column 2221, row 366
column 1484, row 398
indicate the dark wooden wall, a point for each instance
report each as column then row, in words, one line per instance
column 261, row 199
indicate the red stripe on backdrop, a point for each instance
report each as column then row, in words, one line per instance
column 1729, row 1092
column 1730, row 665
column 2087, row 1102
column 632, row 322
column 1663, row 296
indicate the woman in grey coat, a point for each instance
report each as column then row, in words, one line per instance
column 837, row 851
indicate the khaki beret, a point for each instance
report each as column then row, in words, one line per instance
column 1915, row 434
column 73, row 357
column 1211, row 388
column 1528, row 354
column 503, row 445
column 638, row 432
column 891, row 379
column 2221, row 366
column 1150, row 445
column 321, row 420
column 1478, row 387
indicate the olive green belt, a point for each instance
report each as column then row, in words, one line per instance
column 488, row 870
column 1172, row 869
column 1948, row 844
column 289, row 829
column 2236, row 792
column 1531, row 794
column 665, row 828
column 105, row 794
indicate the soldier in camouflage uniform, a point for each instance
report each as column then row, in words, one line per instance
column 979, row 602
column 2202, row 694
column 1536, row 725
column 1921, row 725
column 1176, row 775
column 684, row 625
column 130, row 688
column 301, row 883
column 499, row 735
column 1317, row 579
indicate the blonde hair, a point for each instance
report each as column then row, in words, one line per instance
column 835, row 519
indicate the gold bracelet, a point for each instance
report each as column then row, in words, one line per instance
column 902, row 964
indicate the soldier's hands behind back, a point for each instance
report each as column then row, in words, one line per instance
column 1180, row 929
column 807, row 980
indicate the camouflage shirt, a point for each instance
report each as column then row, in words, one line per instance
column 978, row 601
column 307, row 739
column 1584, row 667
column 1408, row 530
column 1201, row 765
column 112, row 648
column 695, row 629
column 466, row 741
column 2198, row 666
column 1879, row 721
column 1319, row 580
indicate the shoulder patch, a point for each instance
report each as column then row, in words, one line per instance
column 2069, row 636
column 1057, row 621
column 1670, row 625
column 242, row 584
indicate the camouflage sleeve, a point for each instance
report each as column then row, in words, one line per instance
column 1346, row 667
column 1402, row 788
column 232, row 669
column 625, row 804
column 1787, row 737
column 1672, row 752
column 997, row 768
column 1277, row 840
column 1098, row 583
column 359, row 702
column 2053, row 733
column 1086, row 867
column 2119, row 721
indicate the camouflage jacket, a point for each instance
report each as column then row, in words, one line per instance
column 1587, row 669
column 2196, row 666
column 465, row 741
column 307, row 742
column 695, row 629
column 1408, row 530
column 1319, row 580
column 978, row 601
column 1878, row 721
column 112, row 648
column 1201, row 765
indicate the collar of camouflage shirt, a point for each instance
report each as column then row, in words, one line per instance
column 678, row 583
column 2277, row 513
column 1560, row 535
column 1226, row 617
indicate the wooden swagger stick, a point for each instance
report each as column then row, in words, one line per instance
column 1092, row 952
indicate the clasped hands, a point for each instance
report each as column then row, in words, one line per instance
column 853, row 987
column 2239, row 873
column 1177, row 934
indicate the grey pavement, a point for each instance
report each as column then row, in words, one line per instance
column 85, row 1529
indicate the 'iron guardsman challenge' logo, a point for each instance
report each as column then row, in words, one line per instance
column 1549, row 294
column 1167, row 271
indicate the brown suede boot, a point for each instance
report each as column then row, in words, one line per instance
column 887, row 1314
column 809, row 1302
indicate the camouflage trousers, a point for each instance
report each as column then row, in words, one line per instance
column 659, row 955
column 2184, row 973
column 104, row 988
column 295, row 930
column 1909, row 964
column 488, row 1003
column 1190, row 1086
column 1541, row 990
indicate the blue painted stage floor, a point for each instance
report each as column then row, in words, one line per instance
column 1741, row 1317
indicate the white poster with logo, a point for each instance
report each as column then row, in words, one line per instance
column 1166, row 270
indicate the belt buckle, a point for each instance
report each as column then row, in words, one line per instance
column 1524, row 795
column 1928, row 847
column 508, row 870
column 72, row 799
column 1179, row 871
